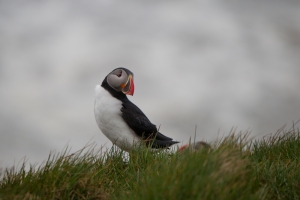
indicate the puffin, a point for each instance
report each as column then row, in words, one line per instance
column 121, row 121
column 195, row 147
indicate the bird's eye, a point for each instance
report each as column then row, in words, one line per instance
column 119, row 74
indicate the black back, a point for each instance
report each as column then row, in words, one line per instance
column 138, row 121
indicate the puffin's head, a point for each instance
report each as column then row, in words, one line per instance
column 121, row 80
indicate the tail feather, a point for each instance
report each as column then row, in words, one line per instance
column 159, row 140
column 160, row 136
column 162, row 143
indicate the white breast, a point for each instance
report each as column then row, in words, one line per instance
column 109, row 119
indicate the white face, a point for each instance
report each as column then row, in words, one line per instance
column 117, row 79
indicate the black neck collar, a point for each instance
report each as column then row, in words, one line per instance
column 119, row 95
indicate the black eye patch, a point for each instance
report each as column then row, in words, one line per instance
column 119, row 74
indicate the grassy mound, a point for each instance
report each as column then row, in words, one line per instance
column 232, row 168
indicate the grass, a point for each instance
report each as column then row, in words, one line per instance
column 232, row 168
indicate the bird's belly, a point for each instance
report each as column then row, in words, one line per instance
column 109, row 120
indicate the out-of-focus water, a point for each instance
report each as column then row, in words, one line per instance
column 214, row 64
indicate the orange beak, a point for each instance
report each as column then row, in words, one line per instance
column 183, row 148
column 128, row 88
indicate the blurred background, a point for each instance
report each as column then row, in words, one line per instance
column 214, row 64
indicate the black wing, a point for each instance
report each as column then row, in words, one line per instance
column 142, row 126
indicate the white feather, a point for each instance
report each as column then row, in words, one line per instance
column 109, row 119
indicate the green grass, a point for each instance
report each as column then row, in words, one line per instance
column 233, row 168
